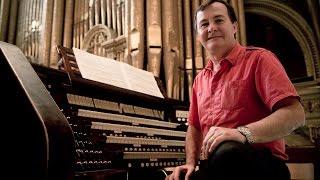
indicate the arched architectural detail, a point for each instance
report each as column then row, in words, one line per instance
column 97, row 35
column 299, row 28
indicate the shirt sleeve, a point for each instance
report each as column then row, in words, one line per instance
column 193, row 117
column 272, row 81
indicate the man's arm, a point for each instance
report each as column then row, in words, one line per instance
column 287, row 116
column 193, row 145
column 279, row 95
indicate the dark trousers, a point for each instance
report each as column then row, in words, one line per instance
column 237, row 161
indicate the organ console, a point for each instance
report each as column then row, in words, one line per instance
column 90, row 130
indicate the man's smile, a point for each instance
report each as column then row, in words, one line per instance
column 213, row 37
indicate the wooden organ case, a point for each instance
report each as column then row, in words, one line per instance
column 38, row 141
column 113, row 133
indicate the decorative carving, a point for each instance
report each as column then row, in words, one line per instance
column 310, row 100
column 97, row 34
column 103, row 41
column 312, row 105
column 296, row 24
column 314, row 133
column 115, row 48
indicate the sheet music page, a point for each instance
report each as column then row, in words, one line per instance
column 101, row 69
column 109, row 71
column 141, row 81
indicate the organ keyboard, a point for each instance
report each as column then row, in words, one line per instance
column 138, row 137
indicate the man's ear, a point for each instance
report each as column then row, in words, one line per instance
column 235, row 27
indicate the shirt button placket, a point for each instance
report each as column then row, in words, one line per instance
column 213, row 89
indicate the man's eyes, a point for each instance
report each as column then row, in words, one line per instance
column 204, row 25
column 216, row 21
column 219, row 21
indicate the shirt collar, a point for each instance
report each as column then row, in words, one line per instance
column 232, row 57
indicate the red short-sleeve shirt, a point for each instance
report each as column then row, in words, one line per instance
column 249, row 83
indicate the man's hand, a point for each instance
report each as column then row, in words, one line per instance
column 188, row 169
column 216, row 135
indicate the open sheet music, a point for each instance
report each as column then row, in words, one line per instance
column 109, row 71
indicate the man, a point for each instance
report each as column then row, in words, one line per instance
column 242, row 106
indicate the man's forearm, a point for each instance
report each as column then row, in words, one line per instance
column 279, row 124
column 193, row 145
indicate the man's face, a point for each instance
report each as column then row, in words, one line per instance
column 215, row 30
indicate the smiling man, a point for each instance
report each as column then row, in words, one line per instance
column 242, row 105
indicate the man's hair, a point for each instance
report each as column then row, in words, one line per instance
column 203, row 6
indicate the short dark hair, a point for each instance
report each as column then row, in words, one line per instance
column 204, row 5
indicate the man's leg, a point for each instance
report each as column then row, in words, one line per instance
column 234, row 160
column 225, row 163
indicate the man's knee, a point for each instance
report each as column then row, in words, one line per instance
column 229, row 151
column 230, row 148
column 229, row 156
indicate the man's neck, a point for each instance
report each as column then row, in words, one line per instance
column 216, row 61
column 217, row 57
column 216, row 66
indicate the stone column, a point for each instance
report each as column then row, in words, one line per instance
column 197, row 47
column 137, row 33
column 242, row 23
column 188, row 26
column 68, row 22
column 127, row 51
column 154, row 42
column 12, row 21
column 97, row 12
column 74, row 25
column 32, row 30
column 181, row 68
column 91, row 14
column 119, row 18
column 123, row 15
column 45, row 33
column 109, row 13
column 114, row 14
column 315, row 19
column 57, row 25
column 4, row 15
column 103, row 11
column 86, row 17
column 28, row 30
column 81, row 23
column 239, row 10
column 37, row 28
column 20, row 20
column 170, row 27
